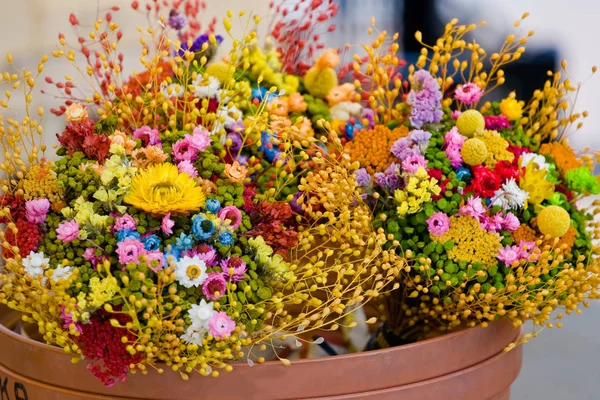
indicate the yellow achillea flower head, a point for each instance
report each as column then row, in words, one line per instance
column 161, row 189
column 496, row 147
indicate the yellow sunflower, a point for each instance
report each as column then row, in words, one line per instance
column 161, row 189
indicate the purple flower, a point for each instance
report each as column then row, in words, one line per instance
column 454, row 139
column 67, row 231
column 129, row 250
column 197, row 44
column 125, row 223
column 412, row 163
column 176, row 20
column 402, row 148
column 455, row 156
column 68, row 320
column 187, row 167
column 205, row 252
column 420, row 138
column 390, row 178
column 200, row 138
column 496, row 122
column 469, row 93
column 167, row 224
column 493, row 224
column 297, row 208
column 147, row 135
column 237, row 265
column 425, row 99
column 214, row 286
column 438, row 223
column 231, row 213
column 363, row 178
column 36, row 210
column 369, row 115
column 236, row 141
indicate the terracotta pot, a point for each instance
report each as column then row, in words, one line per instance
column 465, row 365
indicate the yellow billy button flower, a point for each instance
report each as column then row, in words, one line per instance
column 474, row 152
column 161, row 189
column 554, row 221
column 511, row 108
column 470, row 122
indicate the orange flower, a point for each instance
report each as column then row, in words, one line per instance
column 236, row 172
column 146, row 156
column 279, row 106
column 329, row 59
column 76, row 113
column 120, row 138
column 296, row 102
column 562, row 154
column 371, row 148
column 343, row 92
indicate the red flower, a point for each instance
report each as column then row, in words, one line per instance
column 435, row 173
column 274, row 221
column 27, row 238
column 442, row 185
column 74, row 135
column 96, row 147
column 249, row 194
column 485, row 182
column 507, row 170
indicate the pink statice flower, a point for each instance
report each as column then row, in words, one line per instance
column 36, row 210
column 511, row 222
column 469, row 93
column 199, row 139
column 214, row 286
column 237, row 265
column 412, row 163
column 147, row 135
column 453, row 142
column 125, row 222
column 167, row 224
column 509, row 254
column 474, row 208
column 438, row 223
column 493, row 224
column 129, row 250
column 187, row 167
column 231, row 213
column 155, row 256
column 184, row 150
column 220, row 325
column 67, row 231
column 496, row 122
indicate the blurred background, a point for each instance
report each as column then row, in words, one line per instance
column 559, row 363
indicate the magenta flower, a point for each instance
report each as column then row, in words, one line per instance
column 184, row 150
column 167, row 224
column 469, row 93
column 36, row 210
column 125, row 222
column 220, row 325
column 200, row 138
column 493, row 224
column 90, row 255
column 237, row 265
column 474, row 208
column 67, row 231
column 455, row 114
column 511, row 222
column 147, row 135
column 129, row 250
column 187, row 167
column 496, row 122
column 509, row 254
column 231, row 213
column 214, row 286
column 68, row 320
column 155, row 256
column 438, row 223
column 528, row 250
column 412, row 163
column 454, row 139
column 455, row 157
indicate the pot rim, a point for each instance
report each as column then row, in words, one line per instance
column 427, row 342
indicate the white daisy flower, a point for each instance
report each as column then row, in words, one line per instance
column 510, row 195
column 194, row 335
column 173, row 90
column 35, row 263
column 537, row 159
column 208, row 89
column 201, row 313
column 190, row 271
column 61, row 272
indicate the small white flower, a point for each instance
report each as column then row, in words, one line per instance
column 190, row 271
column 538, row 160
column 201, row 313
column 35, row 263
column 208, row 89
column 510, row 195
column 61, row 272
column 231, row 114
column 194, row 335
column 173, row 90
column 345, row 110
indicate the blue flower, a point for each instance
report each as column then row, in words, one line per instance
column 151, row 243
column 173, row 251
column 185, row 242
column 202, row 228
column 213, row 206
column 226, row 239
column 127, row 234
column 463, row 174
column 267, row 147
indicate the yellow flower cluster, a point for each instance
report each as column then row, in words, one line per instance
column 496, row 148
column 471, row 242
column 418, row 191
column 511, row 108
column 40, row 181
column 266, row 65
column 101, row 291
column 534, row 182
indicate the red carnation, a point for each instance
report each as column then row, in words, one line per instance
column 485, row 182
column 507, row 170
